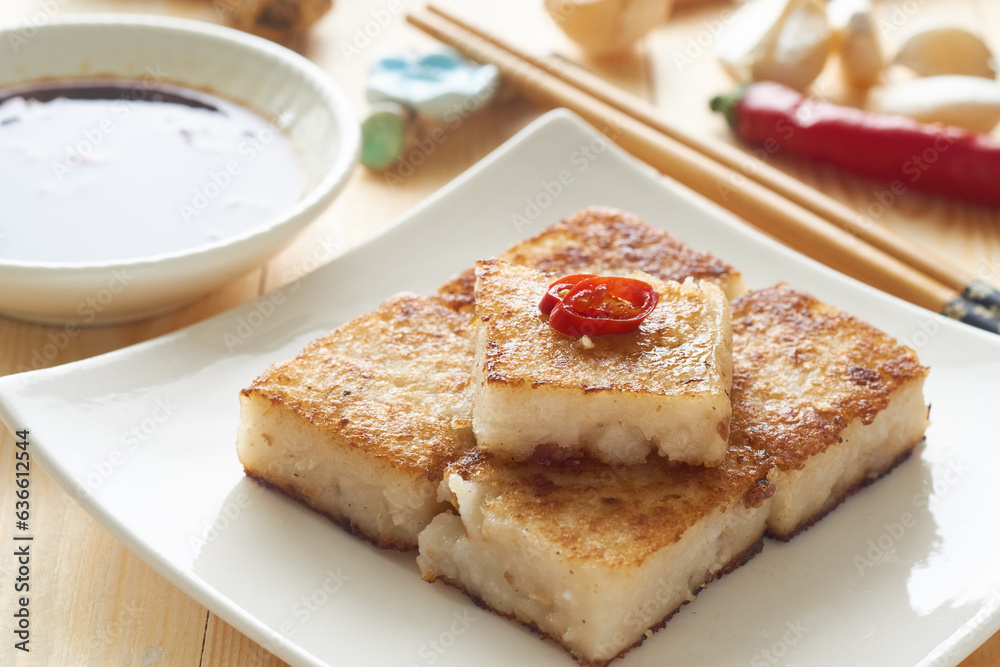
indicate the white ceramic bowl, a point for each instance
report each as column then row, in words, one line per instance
column 265, row 77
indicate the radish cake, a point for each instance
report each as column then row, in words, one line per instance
column 594, row 556
column 362, row 423
column 834, row 401
column 664, row 388
column 607, row 241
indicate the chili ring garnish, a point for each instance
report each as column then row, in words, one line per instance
column 599, row 306
column 559, row 289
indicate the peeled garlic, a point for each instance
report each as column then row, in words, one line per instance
column 970, row 102
column 786, row 41
column 857, row 39
column 947, row 50
column 607, row 26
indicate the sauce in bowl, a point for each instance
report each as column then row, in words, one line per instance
column 103, row 170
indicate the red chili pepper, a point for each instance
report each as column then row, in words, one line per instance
column 559, row 289
column 601, row 306
column 936, row 158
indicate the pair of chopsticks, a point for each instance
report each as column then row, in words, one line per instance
column 791, row 211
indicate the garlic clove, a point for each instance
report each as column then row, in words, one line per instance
column 969, row 102
column 751, row 35
column 787, row 41
column 803, row 46
column 607, row 26
column 857, row 40
column 947, row 50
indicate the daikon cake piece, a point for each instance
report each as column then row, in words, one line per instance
column 607, row 241
column 593, row 556
column 834, row 401
column 362, row 423
column 664, row 388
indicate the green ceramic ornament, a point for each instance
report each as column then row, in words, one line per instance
column 383, row 135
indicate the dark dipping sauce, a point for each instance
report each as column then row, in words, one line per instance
column 101, row 170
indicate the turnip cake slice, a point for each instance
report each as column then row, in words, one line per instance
column 834, row 401
column 362, row 423
column 607, row 241
column 664, row 388
column 594, row 556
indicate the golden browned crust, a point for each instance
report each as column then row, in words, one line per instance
column 613, row 516
column 740, row 559
column 680, row 350
column 394, row 383
column 343, row 522
column 459, row 292
column 606, row 241
column 804, row 370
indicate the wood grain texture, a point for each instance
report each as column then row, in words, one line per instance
column 224, row 646
column 93, row 602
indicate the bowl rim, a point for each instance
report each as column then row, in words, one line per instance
column 319, row 196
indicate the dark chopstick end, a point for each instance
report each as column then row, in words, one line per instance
column 972, row 313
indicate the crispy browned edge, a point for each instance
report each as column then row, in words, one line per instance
column 735, row 563
column 740, row 559
column 346, row 524
column 456, row 291
column 785, row 298
column 595, row 228
column 260, row 389
column 794, row 310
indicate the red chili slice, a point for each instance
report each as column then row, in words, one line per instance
column 601, row 306
column 559, row 289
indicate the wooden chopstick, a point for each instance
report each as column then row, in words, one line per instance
column 790, row 222
column 932, row 264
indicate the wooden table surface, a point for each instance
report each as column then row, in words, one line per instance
column 92, row 601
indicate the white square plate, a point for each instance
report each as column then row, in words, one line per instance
column 906, row 572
